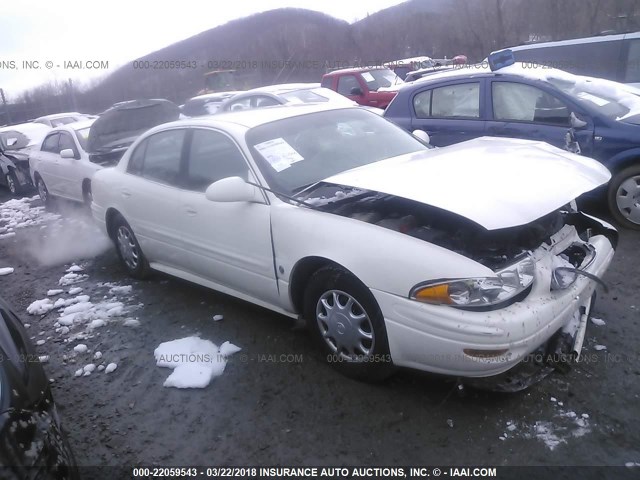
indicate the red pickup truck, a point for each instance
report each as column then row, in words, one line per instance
column 366, row 86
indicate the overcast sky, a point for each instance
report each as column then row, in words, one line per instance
column 119, row 31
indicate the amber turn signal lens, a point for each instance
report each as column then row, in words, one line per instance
column 437, row 294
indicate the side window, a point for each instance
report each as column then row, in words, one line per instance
column 162, row 157
column 632, row 71
column 265, row 102
column 50, row 143
column 66, row 142
column 459, row 101
column 137, row 159
column 213, row 156
column 346, row 83
column 243, row 104
column 422, row 104
column 524, row 103
column 326, row 82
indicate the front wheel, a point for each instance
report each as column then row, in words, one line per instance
column 624, row 197
column 346, row 321
column 129, row 250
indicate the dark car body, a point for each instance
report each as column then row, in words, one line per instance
column 457, row 106
column 15, row 144
column 32, row 444
column 118, row 127
column 362, row 85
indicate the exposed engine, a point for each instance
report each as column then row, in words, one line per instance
column 492, row 248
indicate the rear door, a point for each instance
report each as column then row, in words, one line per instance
column 520, row 110
column 47, row 162
column 450, row 113
column 228, row 243
column 150, row 195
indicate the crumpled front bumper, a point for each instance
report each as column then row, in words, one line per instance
column 433, row 338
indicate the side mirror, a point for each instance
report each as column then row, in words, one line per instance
column 421, row 135
column 232, row 189
column 67, row 153
column 576, row 122
column 356, row 91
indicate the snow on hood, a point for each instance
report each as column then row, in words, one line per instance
column 497, row 183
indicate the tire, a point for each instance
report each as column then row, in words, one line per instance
column 43, row 192
column 12, row 182
column 87, row 196
column 129, row 250
column 623, row 197
column 347, row 323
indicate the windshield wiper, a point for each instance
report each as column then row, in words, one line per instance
column 280, row 194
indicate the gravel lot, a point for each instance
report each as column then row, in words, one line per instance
column 279, row 403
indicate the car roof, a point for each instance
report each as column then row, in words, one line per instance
column 216, row 96
column 283, row 87
column 54, row 116
column 75, row 126
column 356, row 70
column 255, row 117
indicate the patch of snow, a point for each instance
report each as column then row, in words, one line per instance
column 97, row 355
column 54, row 292
column 40, row 307
column 80, row 348
column 75, row 290
column 71, row 278
column 227, row 349
column 597, row 321
column 77, row 308
column 599, row 347
column 78, row 373
column 40, row 342
column 195, row 361
column 120, row 290
column 131, row 322
column 74, row 269
column 100, row 368
column 90, row 367
column 110, row 368
column 6, row 271
column 97, row 323
column 217, row 318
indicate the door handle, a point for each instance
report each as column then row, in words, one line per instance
column 125, row 193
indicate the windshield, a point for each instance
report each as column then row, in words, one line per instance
column 83, row 136
column 296, row 152
column 608, row 100
column 380, row 78
column 315, row 95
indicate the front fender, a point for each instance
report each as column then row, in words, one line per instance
column 623, row 159
column 381, row 258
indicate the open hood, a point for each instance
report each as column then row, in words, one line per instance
column 119, row 126
column 497, row 183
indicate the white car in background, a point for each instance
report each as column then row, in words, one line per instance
column 286, row 94
column 58, row 119
column 60, row 166
column 397, row 254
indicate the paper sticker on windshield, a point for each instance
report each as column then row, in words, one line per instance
column 592, row 98
column 278, row 153
column 367, row 77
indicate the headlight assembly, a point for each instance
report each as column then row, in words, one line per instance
column 478, row 293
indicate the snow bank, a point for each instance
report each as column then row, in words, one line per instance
column 195, row 361
column 18, row 213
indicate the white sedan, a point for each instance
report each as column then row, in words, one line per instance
column 60, row 166
column 461, row 260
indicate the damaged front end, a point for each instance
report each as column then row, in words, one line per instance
column 556, row 249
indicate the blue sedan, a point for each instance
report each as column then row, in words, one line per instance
column 535, row 104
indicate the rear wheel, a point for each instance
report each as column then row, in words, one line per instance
column 346, row 320
column 43, row 192
column 624, row 197
column 129, row 249
column 12, row 182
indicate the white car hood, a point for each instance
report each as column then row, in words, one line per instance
column 497, row 183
